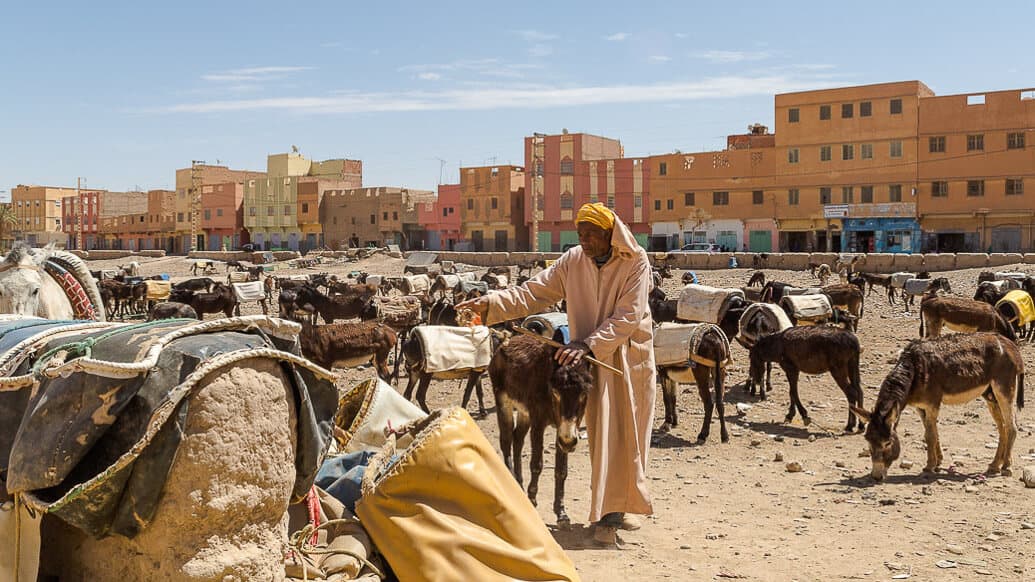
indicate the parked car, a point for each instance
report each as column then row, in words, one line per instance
column 699, row 247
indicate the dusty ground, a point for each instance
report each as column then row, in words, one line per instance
column 725, row 511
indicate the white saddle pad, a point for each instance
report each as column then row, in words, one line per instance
column 703, row 303
column 250, row 291
column 448, row 348
column 899, row 279
column 762, row 316
column 808, row 307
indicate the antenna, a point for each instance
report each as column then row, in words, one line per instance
column 441, row 166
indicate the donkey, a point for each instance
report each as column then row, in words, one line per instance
column 847, row 296
column 757, row 279
column 950, row 370
column 966, row 315
column 533, row 392
column 991, row 292
column 813, row 350
column 874, row 280
column 706, row 367
column 923, row 286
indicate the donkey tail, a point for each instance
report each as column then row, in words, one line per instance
column 1020, row 390
column 922, row 321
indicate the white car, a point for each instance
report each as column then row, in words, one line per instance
column 700, row 247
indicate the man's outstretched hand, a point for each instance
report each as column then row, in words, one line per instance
column 572, row 353
column 479, row 305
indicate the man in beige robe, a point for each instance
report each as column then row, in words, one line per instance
column 605, row 282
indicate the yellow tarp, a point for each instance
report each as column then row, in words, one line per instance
column 1022, row 304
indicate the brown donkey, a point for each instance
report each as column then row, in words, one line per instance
column 813, row 350
column 704, row 365
column 533, row 391
column 966, row 315
column 949, row 370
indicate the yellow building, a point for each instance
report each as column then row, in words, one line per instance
column 38, row 210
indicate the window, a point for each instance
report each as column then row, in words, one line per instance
column 847, row 151
column 866, row 151
column 445, row 212
column 269, row 211
column 975, row 142
column 792, row 115
column 720, row 198
column 208, row 214
column 1015, row 141
column 939, row 189
column 611, row 201
column 253, row 211
column 936, row 144
column 373, row 219
column 384, row 215
column 757, row 196
column 179, row 217
column 847, row 194
column 824, row 195
column 824, row 112
column 567, row 167
column 1014, row 187
column 657, row 205
column 689, row 199
column 792, row 196
column 895, row 193
column 865, row 109
column 637, row 201
column 567, row 201
column 495, row 203
column 824, row 153
column 662, row 169
column 896, row 149
column 287, row 210
column 847, row 111
column 975, row 187
column 470, row 204
column 866, row 195
column 896, row 106
column 395, row 215
column 792, row 156
column 670, row 204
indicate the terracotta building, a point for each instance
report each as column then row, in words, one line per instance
column 161, row 219
column 222, row 216
column 197, row 176
column 441, row 219
column 376, row 216
column 565, row 171
column 492, row 208
column 724, row 197
column 976, row 170
column 70, row 218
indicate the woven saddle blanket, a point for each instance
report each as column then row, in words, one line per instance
column 91, row 414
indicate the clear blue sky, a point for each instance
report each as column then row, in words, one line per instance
column 123, row 93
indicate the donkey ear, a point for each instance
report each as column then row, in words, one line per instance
column 861, row 413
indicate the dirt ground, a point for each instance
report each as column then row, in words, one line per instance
column 730, row 511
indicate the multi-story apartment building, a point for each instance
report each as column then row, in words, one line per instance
column 222, row 218
column 441, row 219
column 492, row 208
column 161, row 220
column 565, row 171
column 39, row 214
column 272, row 204
column 976, row 168
column 70, row 217
column 195, row 177
column 847, row 167
column 376, row 216
column 723, row 197
column 122, row 218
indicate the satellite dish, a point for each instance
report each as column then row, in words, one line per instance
column 294, row 149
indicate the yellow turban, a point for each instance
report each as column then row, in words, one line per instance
column 598, row 214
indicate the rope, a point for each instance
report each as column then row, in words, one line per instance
column 13, row 358
column 85, row 347
column 300, row 543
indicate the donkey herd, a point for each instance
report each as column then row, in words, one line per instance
column 375, row 319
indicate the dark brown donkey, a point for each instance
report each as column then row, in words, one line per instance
column 951, row 370
column 813, row 350
column 966, row 315
column 705, row 366
column 533, row 392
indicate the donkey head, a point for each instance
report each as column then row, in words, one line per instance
column 21, row 279
column 882, row 438
column 569, row 393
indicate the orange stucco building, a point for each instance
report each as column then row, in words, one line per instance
column 492, row 208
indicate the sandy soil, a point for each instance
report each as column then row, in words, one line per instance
column 730, row 511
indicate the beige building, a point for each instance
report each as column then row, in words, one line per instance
column 376, row 216
column 272, row 204
column 198, row 176
column 492, row 212
column 38, row 212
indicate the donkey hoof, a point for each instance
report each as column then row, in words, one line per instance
column 806, row 420
column 665, row 428
column 788, row 419
column 564, row 522
column 702, row 438
column 1006, row 472
column 725, row 438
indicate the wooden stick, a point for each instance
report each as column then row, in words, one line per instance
column 550, row 342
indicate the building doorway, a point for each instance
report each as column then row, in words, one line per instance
column 760, row 241
column 861, row 241
column 478, row 240
column 1006, row 239
column 501, row 240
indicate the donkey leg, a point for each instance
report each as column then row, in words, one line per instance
column 412, row 375
column 703, row 379
column 668, row 395
column 536, row 463
column 719, row 377
column 929, row 416
column 521, row 426
column 768, row 379
column 422, row 391
column 505, row 421
column 560, row 475
column 792, row 380
column 1000, row 404
column 844, row 381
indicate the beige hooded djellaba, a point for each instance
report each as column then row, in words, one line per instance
column 607, row 309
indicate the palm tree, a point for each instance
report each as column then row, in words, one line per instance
column 7, row 220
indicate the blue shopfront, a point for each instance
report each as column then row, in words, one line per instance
column 880, row 235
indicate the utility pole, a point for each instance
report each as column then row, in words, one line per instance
column 538, row 144
column 195, row 202
column 81, row 214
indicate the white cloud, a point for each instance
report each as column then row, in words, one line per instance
column 535, row 35
column 252, row 74
column 486, row 67
column 681, row 35
column 429, row 76
column 658, row 59
column 617, row 37
column 492, row 98
column 719, row 56
column 540, row 50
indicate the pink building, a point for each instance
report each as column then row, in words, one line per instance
column 222, row 216
column 441, row 219
column 70, row 218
